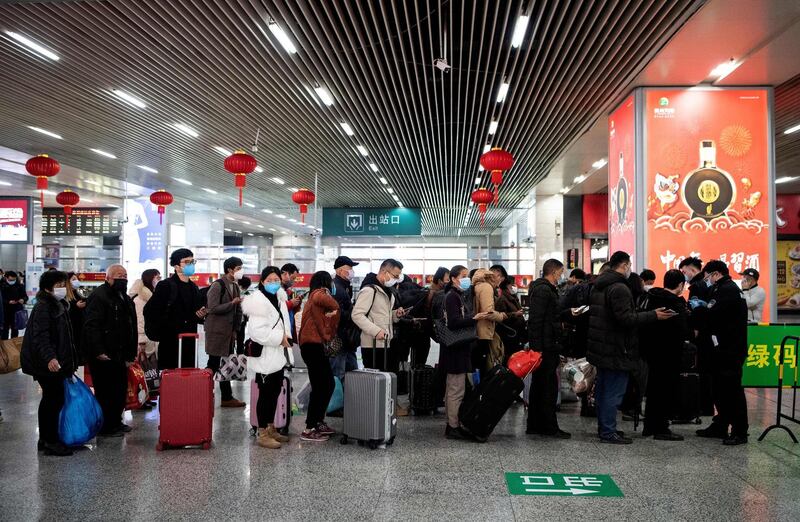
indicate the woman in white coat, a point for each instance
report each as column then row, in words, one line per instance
column 268, row 331
column 141, row 292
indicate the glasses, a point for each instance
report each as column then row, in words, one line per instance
column 192, row 262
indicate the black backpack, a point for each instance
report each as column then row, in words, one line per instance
column 155, row 321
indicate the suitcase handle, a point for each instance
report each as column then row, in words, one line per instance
column 385, row 351
column 181, row 337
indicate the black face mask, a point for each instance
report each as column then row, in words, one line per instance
column 120, row 285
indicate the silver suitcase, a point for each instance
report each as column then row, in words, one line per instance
column 369, row 404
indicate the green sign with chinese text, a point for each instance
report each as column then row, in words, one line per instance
column 551, row 484
column 399, row 221
column 763, row 355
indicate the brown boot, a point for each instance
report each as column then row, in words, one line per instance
column 265, row 441
column 275, row 434
column 232, row 403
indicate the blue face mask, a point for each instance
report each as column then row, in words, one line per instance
column 188, row 270
column 464, row 283
column 12, row 282
column 333, row 290
column 272, row 288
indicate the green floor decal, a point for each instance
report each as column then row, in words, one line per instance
column 575, row 485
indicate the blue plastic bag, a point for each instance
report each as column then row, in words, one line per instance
column 20, row 319
column 337, row 399
column 81, row 417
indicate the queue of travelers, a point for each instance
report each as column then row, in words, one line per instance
column 628, row 327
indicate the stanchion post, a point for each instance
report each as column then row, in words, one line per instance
column 779, row 413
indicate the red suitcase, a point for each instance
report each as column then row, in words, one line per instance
column 186, row 405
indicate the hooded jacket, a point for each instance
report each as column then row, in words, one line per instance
column 373, row 310
column 344, row 296
column 755, row 298
column 482, row 281
column 544, row 326
column 48, row 336
column 140, row 295
column 661, row 344
column 613, row 324
column 267, row 326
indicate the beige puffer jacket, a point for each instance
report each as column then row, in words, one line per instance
column 484, row 287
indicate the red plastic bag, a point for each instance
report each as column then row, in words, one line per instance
column 137, row 387
column 525, row 362
column 87, row 377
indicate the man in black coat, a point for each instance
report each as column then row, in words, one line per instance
column 727, row 324
column 175, row 308
column 544, row 332
column 14, row 299
column 613, row 346
column 110, row 342
column 662, row 347
column 348, row 332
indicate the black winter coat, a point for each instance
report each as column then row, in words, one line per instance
column 13, row 292
column 47, row 336
column 613, row 324
column 661, row 343
column 727, row 321
column 110, row 325
column 544, row 326
column 456, row 359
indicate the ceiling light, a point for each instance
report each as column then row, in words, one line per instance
column 249, row 205
column 471, row 203
column 501, row 93
column 564, row 190
column 33, row 46
column 279, row 181
column 324, row 95
column 310, row 226
column 347, row 128
column 92, row 182
column 224, row 152
column 58, row 137
column 477, row 181
column 400, row 204
column 280, row 216
column 230, row 219
column 259, row 169
column 237, row 231
column 6, row 184
column 115, row 206
column 260, row 226
column 383, row 180
column 272, row 230
column 178, row 224
column 519, row 31
column 246, row 222
column 148, row 169
column 176, row 211
column 103, row 153
column 373, row 167
column 784, row 179
column 362, row 150
column 281, row 36
column 487, row 148
column 186, row 130
column 599, row 164
column 787, row 131
column 215, row 220
column 134, row 194
column 266, row 211
column 210, row 191
column 133, row 100
column 579, row 179
column 493, row 127
column 250, row 234
column 184, row 181
column 292, row 220
column 49, row 192
column 292, row 189
column 390, row 190
column 724, row 69
column 228, row 230
column 87, row 200
column 395, row 197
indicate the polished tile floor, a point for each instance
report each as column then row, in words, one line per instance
column 422, row 477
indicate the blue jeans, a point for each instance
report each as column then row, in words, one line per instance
column 608, row 393
column 344, row 362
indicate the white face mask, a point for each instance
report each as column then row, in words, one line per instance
column 238, row 275
column 514, row 289
column 75, row 284
column 60, row 293
column 647, row 288
column 351, row 274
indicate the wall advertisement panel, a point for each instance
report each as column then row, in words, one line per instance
column 622, row 179
column 708, row 179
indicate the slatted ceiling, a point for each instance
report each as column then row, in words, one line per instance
column 214, row 65
column 787, row 146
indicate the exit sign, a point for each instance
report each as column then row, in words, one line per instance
column 574, row 485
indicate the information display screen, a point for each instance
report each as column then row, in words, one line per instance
column 82, row 222
column 15, row 218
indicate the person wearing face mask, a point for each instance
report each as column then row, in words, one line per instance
column 348, row 332
column 726, row 317
column 754, row 295
column 613, row 345
column 109, row 345
column 485, row 283
column 648, row 279
column 49, row 356
column 289, row 272
column 516, row 332
column 141, row 291
column 175, row 308
column 14, row 299
column 77, row 305
column 375, row 314
column 222, row 323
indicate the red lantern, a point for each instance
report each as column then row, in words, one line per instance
column 240, row 164
column 304, row 198
column 482, row 197
column 496, row 161
column 43, row 167
column 68, row 199
column 162, row 199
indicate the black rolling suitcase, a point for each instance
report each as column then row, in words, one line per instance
column 486, row 404
column 423, row 390
column 687, row 408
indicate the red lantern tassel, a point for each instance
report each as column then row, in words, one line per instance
column 303, row 211
column 240, row 180
column 161, row 214
column 496, row 193
column 482, row 210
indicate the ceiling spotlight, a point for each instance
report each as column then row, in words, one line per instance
column 492, row 127
column 259, row 169
column 281, row 36
column 129, row 98
column 222, row 151
column 790, row 130
column 384, row 181
column 58, row 137
column 786, row 179
column 477, row 181
column 599, row 164
column 724, row 69
column 266, row 211
column 184, row 181
column 362, row 150
column 324, row 96
column 33, row 46
column 186, row 130
column 502, row 92
column 210, row 191
column 579, row 179
column 373, row 167
column 487, row 148
column 279, row 181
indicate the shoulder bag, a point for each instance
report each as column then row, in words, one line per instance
column 454, row 338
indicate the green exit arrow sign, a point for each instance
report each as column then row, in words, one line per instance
column 574, row 485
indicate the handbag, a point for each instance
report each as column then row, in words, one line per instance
column 524, row 363
column 454, row 338
column 10, row 355
column 152, row 376
column 252, row 348
column 81, row 417
column 232, row 368
column 137, row 388
column 332, row 347
column 20, row 319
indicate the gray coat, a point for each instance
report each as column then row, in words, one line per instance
column 223, row 319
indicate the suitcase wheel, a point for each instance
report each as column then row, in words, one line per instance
column 390, row 441
column 160, row 446
column 206, row 445
column 343, row 441
column 373, row 444
column 253, row 431
column 698, row 421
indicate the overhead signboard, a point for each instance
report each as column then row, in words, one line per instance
column 371, row 222
column 558, row 485
column 82, row 222
column 15, row 219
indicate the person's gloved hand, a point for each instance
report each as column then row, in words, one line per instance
column 696, row 302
